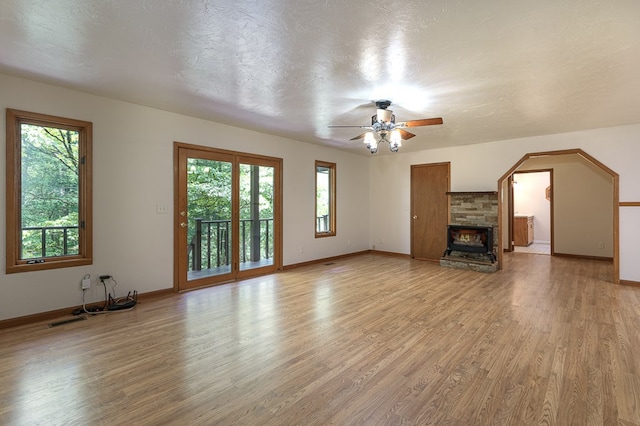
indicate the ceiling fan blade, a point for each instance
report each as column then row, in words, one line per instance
column 405, row 135
column 358, row 137
column 423, row 122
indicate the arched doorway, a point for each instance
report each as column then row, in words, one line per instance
column 505, row 184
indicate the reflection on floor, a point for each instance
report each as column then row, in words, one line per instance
column 535, row 248
column 225, row 269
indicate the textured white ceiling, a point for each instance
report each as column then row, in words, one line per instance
column 493, row 70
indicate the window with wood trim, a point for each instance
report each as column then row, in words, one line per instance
column 325, row 199
column 49, row 194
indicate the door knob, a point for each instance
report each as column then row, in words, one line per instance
column 415, row 216
column 183, row 224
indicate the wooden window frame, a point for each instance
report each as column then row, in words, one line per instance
column 331, row 232
column 14, row 120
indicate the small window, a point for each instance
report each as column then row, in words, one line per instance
column 325, row 199
column 48, row 192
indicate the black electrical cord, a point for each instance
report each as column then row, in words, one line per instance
column 104, row 309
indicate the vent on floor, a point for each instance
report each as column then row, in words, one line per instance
column 67, row 321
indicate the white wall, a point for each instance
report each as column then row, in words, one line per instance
column 478, row 168
column 582, row 200
column 133, row 171
column 529, row 199
column 582, row 205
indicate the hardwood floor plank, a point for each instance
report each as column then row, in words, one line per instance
column 370, row 339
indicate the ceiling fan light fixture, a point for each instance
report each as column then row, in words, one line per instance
column 369, row 139
column 373, row 139
column 396, row 138
column 371, row 142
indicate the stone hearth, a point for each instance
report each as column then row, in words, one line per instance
column 460, row 260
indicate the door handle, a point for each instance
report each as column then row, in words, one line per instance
column 183, row 225
column 415, row 217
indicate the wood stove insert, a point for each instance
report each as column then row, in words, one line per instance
column 470, row 239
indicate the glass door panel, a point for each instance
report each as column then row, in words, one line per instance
column 228, row 216
column 256, row 230
column 209, row 213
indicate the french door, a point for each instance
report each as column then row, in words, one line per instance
column 227, row 221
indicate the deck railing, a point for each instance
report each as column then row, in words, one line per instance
column 322, row 223
column 54, row 241
column 210, row 246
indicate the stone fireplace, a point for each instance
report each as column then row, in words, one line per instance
column 471, row 234
column 470, row 239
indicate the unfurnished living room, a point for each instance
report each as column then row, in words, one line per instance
column 314, row 213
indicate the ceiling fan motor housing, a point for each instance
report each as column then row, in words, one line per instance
column 383, row 115
column 383, row 104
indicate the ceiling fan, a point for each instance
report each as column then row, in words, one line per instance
column 384, row 125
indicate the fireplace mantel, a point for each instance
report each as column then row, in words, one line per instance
column 472, row 192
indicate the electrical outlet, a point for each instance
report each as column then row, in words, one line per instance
column 601, row 245
column 161, row 208
column 86, row 283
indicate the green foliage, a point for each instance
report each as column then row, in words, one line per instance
column 208, row 189
column 265, row 191
column 209, row 185
column 49, row 182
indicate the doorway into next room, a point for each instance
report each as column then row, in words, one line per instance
column 532, row 212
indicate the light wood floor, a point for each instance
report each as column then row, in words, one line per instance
column 371, row 340
column 535, row 248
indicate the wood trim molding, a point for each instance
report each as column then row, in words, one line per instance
column 580, row 256
column 471, row 192
column 323, row 260
column 629, row 203
column 344, row 256
column 630, row 283
column 51, row 315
